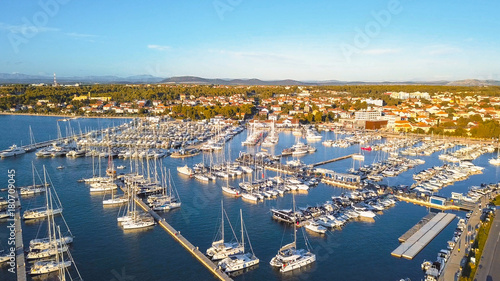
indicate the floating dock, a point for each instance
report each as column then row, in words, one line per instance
column 20, row 262
column 416, row 227
column 411, row 247
column 184, row 242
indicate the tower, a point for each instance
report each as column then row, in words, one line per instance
column 55, row 81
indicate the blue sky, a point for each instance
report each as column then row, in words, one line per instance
column 390, row 40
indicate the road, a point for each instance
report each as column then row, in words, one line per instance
column 452, row 269
column 488, row 268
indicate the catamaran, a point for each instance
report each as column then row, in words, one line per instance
column 221, row 249
column 289, row 257
column 240, row 261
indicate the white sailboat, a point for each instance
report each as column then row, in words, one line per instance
column 271, row 139
column 289, row 257
column 43, row 212
column 240, row 261
column 32, row 189
column 115, row 200
column 169, row 199
column 55, row 246
column 230, row 190
column 135, row 220
column 220, row 249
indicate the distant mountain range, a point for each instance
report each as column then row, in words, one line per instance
column 6, row 78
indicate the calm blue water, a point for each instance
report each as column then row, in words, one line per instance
column 103, row 251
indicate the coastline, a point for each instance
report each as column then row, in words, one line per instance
column 68, row 115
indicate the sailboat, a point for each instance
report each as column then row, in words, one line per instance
column 168, row 200
column 43, row 212
column 53, row 247
column 221, row 249
column 271, row 139
column 229, row 189
column 133, row 219
column 57, row 245
column 115, row 200
column 59, row 264
column 102, row 184
column 32, row 189
column 289, row 257
column 240, row 261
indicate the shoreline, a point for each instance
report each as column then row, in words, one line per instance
column 386, row 133
column 69, row 115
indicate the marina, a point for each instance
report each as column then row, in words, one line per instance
column 334, row 204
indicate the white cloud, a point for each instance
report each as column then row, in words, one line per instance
column 159, row 47
column 377, row 52
column 438, row 50
column 26, row 29
column 80, row 35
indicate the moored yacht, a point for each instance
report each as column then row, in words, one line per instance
column 14, row 150
column 185, row 170
column 239, row 261
column 289, row 257
column 221, row 249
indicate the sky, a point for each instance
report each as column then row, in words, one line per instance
column 364, row 40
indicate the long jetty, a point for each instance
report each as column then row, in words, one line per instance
column 20, row 262
column 184, row 242
column 431, row 205
column 411, row 247
column 334, row 160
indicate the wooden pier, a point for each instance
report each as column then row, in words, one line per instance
column 20, row 262
column 334, row 160
column 184, row 242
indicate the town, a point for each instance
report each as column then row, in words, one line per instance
column 437, row 110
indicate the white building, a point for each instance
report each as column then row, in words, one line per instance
column 367, row 115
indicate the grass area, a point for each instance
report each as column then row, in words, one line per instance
column 496, row 201
column 469, row 270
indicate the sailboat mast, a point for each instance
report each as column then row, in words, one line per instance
column 62, row 272
column 242, row 236
column 33, row 171
column 222, row 224
column 49, row 222
column 294, row 223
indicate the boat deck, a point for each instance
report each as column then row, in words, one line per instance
column 413, row 245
